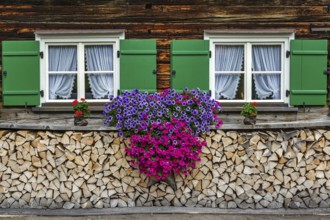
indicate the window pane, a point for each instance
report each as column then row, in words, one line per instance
column 266, row 57
column 98, row 86
column 266, row 86
column 99, row 58
column 229, row 86
column 229, row 58
column 62, row 86
column 62, row 58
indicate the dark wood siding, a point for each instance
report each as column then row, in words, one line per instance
column 163, row 20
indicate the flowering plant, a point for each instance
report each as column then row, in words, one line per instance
column 249, row 110
column 134, row 111
column 167, row 147
column 163, row 128
column 81, row 108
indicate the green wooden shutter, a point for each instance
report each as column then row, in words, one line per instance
column 138, row 65
column 307, row 81
column 20, row 73
column 190, row 64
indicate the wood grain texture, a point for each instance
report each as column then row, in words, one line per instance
column 163, row 20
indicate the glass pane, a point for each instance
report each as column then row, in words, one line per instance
column 229, row 58
column 266, row 57
column 99, row 58
column 62, row 86
column 62, row 58
column 266, row 86
column 229, row 86
column 98, row 86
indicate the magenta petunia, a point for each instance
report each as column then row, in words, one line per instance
column 163, row 157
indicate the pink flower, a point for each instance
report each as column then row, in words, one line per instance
column 159, row 155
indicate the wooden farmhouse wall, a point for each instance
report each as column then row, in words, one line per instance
column 164, row 20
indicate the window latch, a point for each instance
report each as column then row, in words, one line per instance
column 118, row 53
column 287, row 93
column 288, row 53
column 41, row 54
column 326, row 72
column 42, row 93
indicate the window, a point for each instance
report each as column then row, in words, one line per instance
column 91, row 77
column 250, row 67
column 78, row 66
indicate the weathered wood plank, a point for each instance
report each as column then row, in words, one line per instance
column 164, row 13
column 165, row 2
column 163, row 20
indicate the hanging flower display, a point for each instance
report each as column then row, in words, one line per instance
column 163, row 128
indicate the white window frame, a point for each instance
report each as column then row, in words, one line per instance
column 80, row 39
column 249, row 39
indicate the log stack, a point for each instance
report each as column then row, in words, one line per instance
column 259, row 169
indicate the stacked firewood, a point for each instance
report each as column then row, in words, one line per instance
column 257, row 169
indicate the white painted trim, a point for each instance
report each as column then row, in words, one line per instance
column 248, row 77
column 78, row 38
column 248, row 39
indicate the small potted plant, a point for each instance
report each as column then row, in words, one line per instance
column 249, row 111
column 81, row 112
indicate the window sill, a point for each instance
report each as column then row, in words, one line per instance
column 265, row 109
column 65, row 108
column 98, row 107
column 62, row 124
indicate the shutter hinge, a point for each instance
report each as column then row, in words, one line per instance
column 118, row 53
column 210, row 54
column 288, row 53
column 42, row 93
column 41, row 54
column 287, row 93
column 326, row 72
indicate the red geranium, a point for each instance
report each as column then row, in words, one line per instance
column 249, row 110
column 81, row 108
column 78, row 113
column 75, row 102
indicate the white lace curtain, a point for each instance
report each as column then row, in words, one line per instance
column 227, row 58
column 267, row 58
column 100, row 58
column 61, row 58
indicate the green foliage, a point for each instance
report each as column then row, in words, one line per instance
column 249, row 110
column 81, row 108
